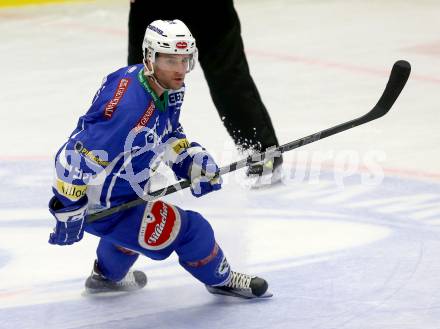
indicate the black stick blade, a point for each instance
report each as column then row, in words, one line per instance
column 398, row 78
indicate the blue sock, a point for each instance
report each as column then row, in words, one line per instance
column 114, row 262
column 199, row 254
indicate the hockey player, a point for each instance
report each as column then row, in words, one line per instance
column 224, row 63
column 131, row 126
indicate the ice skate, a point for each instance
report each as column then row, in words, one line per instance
column 265, row 173
column 243, row 286
column 97, row 283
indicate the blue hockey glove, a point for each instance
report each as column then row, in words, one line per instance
column 69, row 226
column 203, row 172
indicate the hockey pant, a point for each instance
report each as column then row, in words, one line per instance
column 155, row 231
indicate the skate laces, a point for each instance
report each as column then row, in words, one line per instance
column 239, row 281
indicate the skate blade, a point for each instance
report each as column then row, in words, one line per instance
column 107, row 293
column 103, row 294
column 267, row 294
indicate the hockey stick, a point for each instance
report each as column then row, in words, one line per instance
column 397, row 80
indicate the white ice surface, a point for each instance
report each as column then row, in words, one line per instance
column 343, row 244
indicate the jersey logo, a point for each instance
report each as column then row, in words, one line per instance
column 160, row 226
column 143, row 121
column 179, row 145
column 70, row 191
column 175, row 98
column 79, row 147
column 110, row 107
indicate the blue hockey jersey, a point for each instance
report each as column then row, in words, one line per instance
column 119, row 142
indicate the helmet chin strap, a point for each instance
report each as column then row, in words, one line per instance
column 150, row 74
column 154, row 78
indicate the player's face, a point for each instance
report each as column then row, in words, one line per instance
column 171, row 69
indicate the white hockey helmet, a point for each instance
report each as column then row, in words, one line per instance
column 168, row 37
